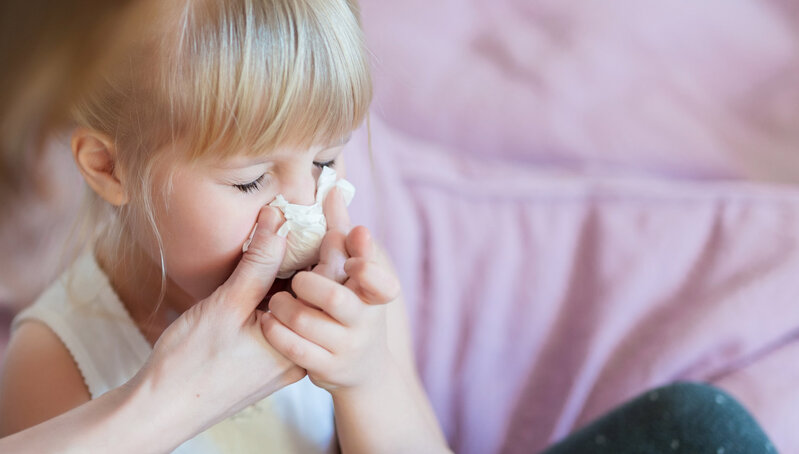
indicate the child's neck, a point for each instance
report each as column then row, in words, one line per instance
column 136, row 279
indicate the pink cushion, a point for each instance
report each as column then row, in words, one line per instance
column 538, row 182
column 541, row 300
column 700, row 89
column 552, row 188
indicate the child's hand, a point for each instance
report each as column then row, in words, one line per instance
column 335, row 328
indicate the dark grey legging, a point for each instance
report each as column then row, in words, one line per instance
column 688, row 418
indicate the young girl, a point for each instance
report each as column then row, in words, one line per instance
column 222, row 106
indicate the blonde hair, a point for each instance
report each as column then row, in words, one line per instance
column 227, row 77
column 51, row 53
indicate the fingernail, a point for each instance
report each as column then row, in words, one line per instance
column 249, row 240
column 283, row 231
column 271, row 219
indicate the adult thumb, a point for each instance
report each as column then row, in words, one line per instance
column 256, row 271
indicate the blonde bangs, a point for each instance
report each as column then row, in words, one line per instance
column 218, row 78
column 253, row 76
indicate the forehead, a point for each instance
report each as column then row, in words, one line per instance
column 275, row 73
column 247, row 157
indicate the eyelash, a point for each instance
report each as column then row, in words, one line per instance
column 256, row 185
column 250, row 187
column 322, row 165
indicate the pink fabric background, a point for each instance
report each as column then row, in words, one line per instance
column 582, row 201
column 681, row 88
column 541, row 300
column 588, row 200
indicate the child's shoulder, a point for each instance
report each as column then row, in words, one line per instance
column 40, row 379
column 40, row 376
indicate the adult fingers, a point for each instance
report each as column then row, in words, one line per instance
column 335, row 210
column 257, row 269
column 333, row 251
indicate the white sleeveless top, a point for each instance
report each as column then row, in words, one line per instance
column 85, row 313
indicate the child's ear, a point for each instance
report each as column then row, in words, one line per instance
column 96, row 157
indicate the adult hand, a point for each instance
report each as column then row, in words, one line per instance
column 208, row 364
column 214, row 359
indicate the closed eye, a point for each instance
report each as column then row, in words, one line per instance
column 251, row 186
column 322, row 165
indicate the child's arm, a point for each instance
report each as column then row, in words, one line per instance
column 399, row 408
column 40, row 380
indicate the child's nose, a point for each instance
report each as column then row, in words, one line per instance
column 300, row 188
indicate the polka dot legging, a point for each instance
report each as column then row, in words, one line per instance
column 687, row 418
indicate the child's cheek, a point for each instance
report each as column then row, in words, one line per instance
column 341, row 168
column 205, row 243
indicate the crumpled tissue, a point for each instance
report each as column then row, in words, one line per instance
column 306, row 225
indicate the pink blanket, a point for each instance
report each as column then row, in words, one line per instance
column 679, row 88
column 540, row 301
column 580, row 198
column 582, row 202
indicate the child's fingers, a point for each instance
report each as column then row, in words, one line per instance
column 359, row 243
column 335, row 210
column 371, row 282
column 294, row 347
column 307, row 321
column 335, row 299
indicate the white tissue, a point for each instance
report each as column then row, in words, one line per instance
column 306, row 224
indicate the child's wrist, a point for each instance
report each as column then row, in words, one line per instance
column 381, row 380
